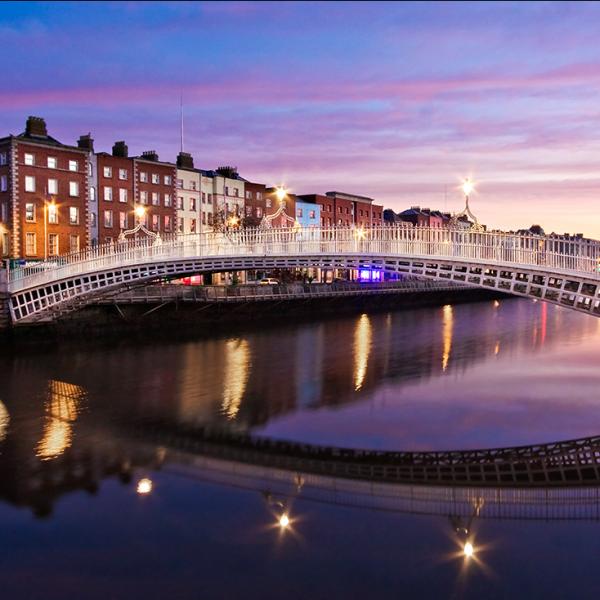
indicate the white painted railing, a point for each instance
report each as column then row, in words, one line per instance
column 552, row 254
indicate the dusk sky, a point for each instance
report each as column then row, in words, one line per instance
column 393, row 101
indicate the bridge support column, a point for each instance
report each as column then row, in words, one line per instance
column 5, row 320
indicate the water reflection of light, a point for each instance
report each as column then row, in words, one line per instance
column 362, row 347
column 144, row 486
column 61, row 410
column 447, row 335
column 284, row 520
column 468, row 550
column 237, row 361
column 4, row 420
column 497, row 348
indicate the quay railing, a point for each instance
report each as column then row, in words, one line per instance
column 551, row 253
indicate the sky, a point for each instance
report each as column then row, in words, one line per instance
column 395, row 101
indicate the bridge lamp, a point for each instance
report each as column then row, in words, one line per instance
column 467, row 187
column 360, row 233
column 233, row 221
column 468, row 550
column 284, row 520
column 281, row 193
column 140, row 211
column 144, row 486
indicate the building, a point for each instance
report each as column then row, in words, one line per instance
column 308, row 214
column 43, row 194
column 351, row 209
column 255, row 203
column 227, row 194
column 189, row 195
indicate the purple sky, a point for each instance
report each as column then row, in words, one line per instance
column 393, row 101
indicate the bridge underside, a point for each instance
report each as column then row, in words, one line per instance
column 50, row 301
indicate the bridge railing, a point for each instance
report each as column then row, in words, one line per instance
column 552, row 253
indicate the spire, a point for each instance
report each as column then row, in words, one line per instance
column 181, row 110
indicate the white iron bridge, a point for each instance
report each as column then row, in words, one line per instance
column 548, row 268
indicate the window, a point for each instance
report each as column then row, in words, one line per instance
column 167, row 180
column 143, row 177
column 123, row 174
column 144, row 197
column 5, row 244
column 108, row 218
column 155, row 178
column 155, row 223
column 248, row 195
column 52, row 214
column 29, row 183
column 107, row 171
column 299, row 212
column 259, row 212
column 73, row 165
column 93, row 219
column 210, row 198
column 73, row 189
column 192, row 185
column 312, row 214
column 108, row 194
column 122, row 219
column 168, row 201
column 155, row 201
column 3, row 158
column 248, row 211
column 236, row 192
column 73, row 215
column 52, row 162
column 258, row 195
column 74, row 243
column 90, row 169
column 340, row 210
column 210, row 218
column 53, row 244
column 226, row 190
column 179, row 202
column 53, row 186
column 268, row 202
column 180, row 224
column 29, row 159
column 193, row 204
column 92, row 194
column 4, row 213
column 192, row 225
column 179, row 184
column 167, row 222
column 30, row 244
column 30, row 212
column 203, row 197
column 3, row 183
column 122, row 195
column 203, row 218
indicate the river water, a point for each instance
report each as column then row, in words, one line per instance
column 76, row 524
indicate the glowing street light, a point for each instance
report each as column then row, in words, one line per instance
column 468, row 550
column 144, row 486
column 284, row 521
column 467, row 187
column 233, row 221
column 360, row 233
column 281, row 194
column 140, row 211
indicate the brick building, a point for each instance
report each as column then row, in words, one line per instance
column 350, row 209
column 255, row 198
column 43, row 194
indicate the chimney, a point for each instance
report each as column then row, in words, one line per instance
column 36, row 126
column 150, row 155
column 185, row 160
column 120, row 149
column 85, row 142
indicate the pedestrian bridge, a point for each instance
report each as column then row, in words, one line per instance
column 547, row 268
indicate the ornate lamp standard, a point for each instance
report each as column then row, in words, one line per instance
column 467, row 188
column 140, row 212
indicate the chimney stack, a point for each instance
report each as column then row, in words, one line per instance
column 150, row 155
column 185, row 160
column 36, row 126
column 86, row 142
column 120, row 149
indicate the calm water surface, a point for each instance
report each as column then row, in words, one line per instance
column 465, row 376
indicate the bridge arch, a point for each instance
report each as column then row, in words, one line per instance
column 545, row 268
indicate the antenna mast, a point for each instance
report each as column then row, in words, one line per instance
column 181, row 110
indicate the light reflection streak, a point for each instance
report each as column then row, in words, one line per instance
column 4, row 420
column 62, row 407
column 447, row 328
column 237, row 361
column 362, row 346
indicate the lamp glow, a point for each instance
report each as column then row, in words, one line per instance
column 360, row 233
column 281, row 194
column 468, row 550
column 284, row 520
column 467, row 187
column 144, row 486
column 140, row 211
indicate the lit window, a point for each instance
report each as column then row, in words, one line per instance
column 122, row 173
column 107, row 171
column 93, row 219
column 90, row 169
column 167, row 223
column 74, row 243
column 73, row 215
column 73, row 165
column 155, row 178
column 73, row 188
column 53, row 244
column 248, row 195
column 93, row 193
column 248, row 211
column 108, row 218
column 52, row 214
column 268, row 202
column 122, row 195
column 179, row 184
column 123, row 220
column 155, row 200
column 30, row 212
column 29, row 183
column 144, row 197
column 167, row 180
column 259, row 212
column 179, row 202
column 143, row 177
column 108, row 194
column 168, row 201
column 29, row 159
column 3, row 183
column 258, row 195
column 3, row 158
column 30, row 244
column 53, row 186
column 155, row 223
column 52, row 162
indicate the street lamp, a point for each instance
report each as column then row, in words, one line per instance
column 140, row 212
column 467, row 188
column 281, row 193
